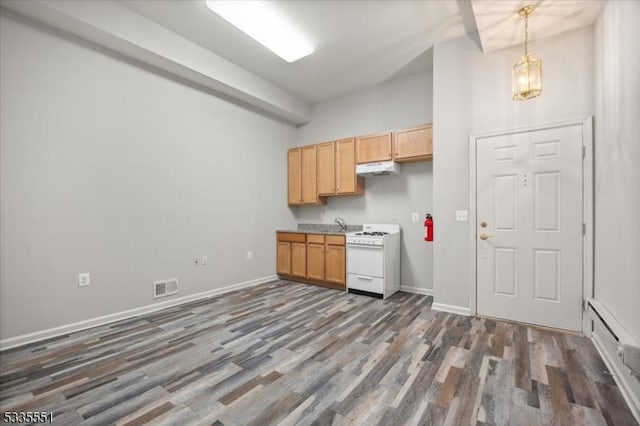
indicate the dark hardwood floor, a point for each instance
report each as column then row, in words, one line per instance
column 294, row 354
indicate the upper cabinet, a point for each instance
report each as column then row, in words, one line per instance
column 302, row 183
column 414, row 144
column 309, row 177
column 373, row 148
column 337, row 169
column 327, row 168
column 294, row 177
column 347, row 183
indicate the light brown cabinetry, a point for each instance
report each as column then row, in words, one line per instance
column 414, row 144
column 327, row 168
column 347, row 183
column 312, row 258
column 294, row 176
column 301, row 177
column 291, row 254
column 299, row 260
column 315, row 257
column 335, row 260
column 373, row 148
column 337, row 169
column 309, row 188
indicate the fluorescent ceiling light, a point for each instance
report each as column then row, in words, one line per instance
column 260, row 22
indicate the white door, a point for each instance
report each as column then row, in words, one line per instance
column 529, row 229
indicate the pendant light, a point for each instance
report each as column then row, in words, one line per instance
column 527, row 72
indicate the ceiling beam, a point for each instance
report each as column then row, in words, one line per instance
column 111, row 25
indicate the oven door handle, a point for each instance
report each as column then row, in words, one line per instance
column 363, row 246
column 363, row 277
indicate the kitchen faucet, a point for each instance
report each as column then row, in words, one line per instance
column 340, row 221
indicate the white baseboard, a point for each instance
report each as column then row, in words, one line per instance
column 460, row 310
column 621, row 375
column 417, row 290
column 25, row 339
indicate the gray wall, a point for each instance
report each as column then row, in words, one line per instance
column 472, row 94
column 617, row 160
column 111, row 169
column 400, row 103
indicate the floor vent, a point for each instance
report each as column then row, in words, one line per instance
column 165, row 288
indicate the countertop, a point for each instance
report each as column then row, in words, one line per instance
column 321, row 228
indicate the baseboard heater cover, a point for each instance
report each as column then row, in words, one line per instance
column 611, row 339
column 628, row 350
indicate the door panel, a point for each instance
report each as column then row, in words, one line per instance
column 506, row 193
column 506, row 267
column 529, row 195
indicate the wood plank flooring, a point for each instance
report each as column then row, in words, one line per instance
column 293, row 354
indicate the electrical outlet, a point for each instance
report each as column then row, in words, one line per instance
column 205, row 260
column 196, row 261
column 84, row 279
column 394, row 216
column 415, row 217
column 249, row 255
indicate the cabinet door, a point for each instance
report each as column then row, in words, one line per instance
column 299, row 260
column 309, row 188
column 414, row 144
column 336, row 265
column 372, row 148
column 294, row 161
column 284, row 258
column 326, row 169
column 347, row 183
column 315, row 261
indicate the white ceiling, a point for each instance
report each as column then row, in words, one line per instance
column 500, row 26
column 357, row 43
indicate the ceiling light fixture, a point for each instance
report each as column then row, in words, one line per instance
column 527, row 72
column 260, row 22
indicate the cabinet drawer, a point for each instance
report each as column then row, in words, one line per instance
column 315, row 238
column 291, row 237
column 365, row 283
column 336, row 240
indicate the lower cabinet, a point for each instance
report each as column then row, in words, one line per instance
column 312, row 258
column 315, row 257
column 292, row 254
column 336, row 264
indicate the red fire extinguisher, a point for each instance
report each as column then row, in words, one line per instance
column 428, row 228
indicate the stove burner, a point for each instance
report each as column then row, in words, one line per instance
column 372, row 234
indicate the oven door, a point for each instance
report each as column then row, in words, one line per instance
column 365, row 260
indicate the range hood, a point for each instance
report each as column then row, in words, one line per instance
column 378, row 169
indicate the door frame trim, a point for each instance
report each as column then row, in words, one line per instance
column 586, row 125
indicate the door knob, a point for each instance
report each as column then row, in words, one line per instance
column 484, row 236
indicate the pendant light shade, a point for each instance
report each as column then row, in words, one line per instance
column 527, row 71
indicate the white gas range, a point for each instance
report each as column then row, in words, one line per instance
column 373, row 260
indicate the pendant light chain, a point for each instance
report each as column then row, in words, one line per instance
column 526, row 33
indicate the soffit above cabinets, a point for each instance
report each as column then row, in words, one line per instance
column 499, row 25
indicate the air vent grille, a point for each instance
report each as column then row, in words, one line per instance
column 165, row 288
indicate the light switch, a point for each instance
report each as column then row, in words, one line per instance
column 461, row 215
column 415, row 217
